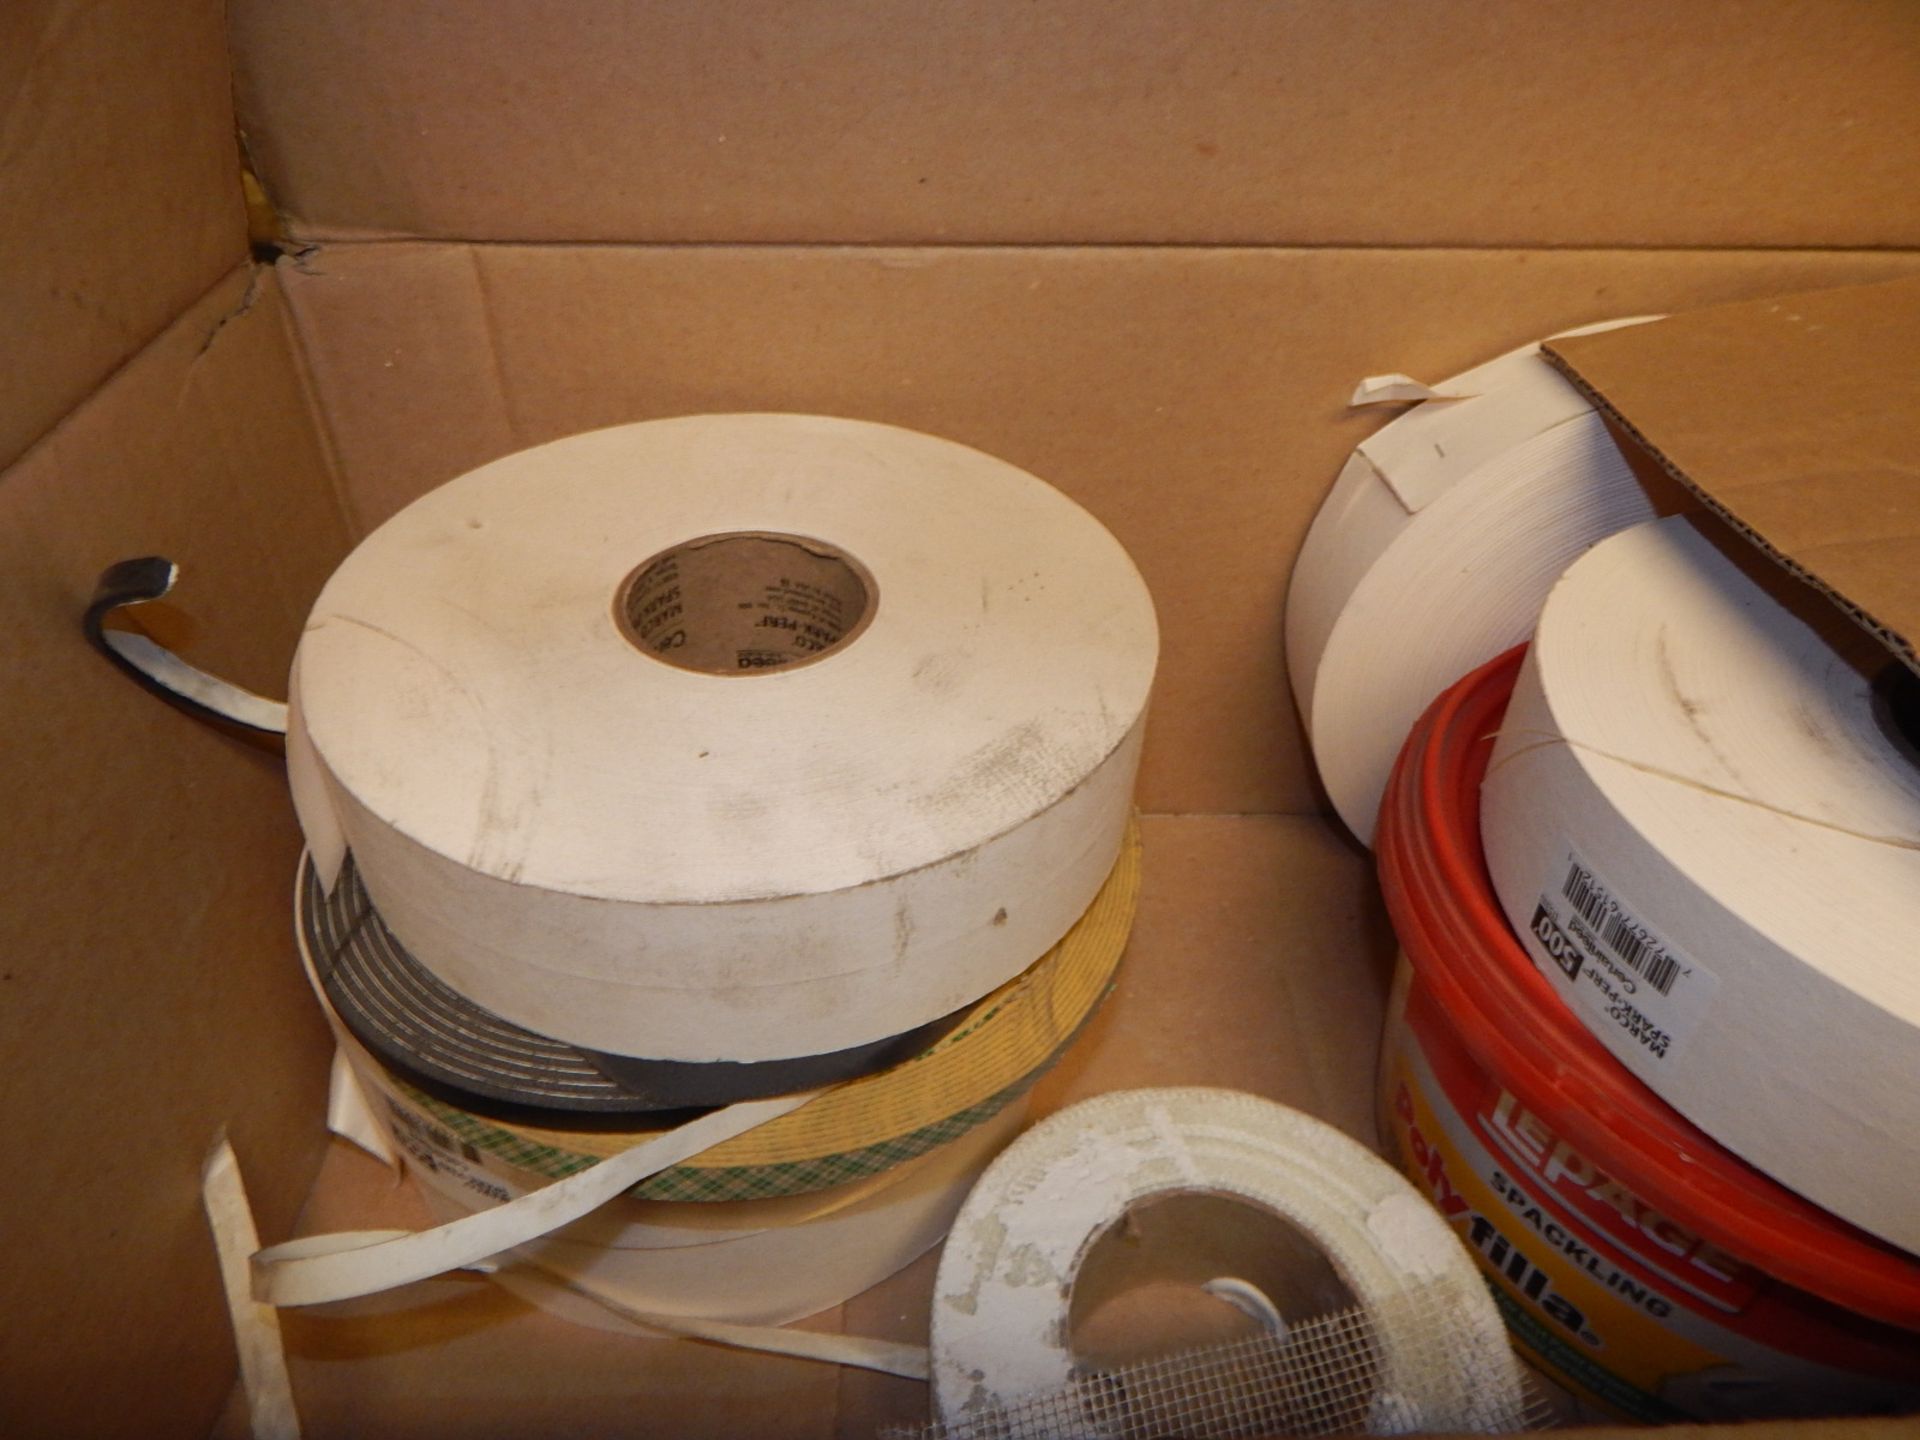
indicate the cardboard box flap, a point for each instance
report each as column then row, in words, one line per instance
column 1483, row 122
column 122, row 190
column 1798, row 419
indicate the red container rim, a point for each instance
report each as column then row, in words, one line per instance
column 1514, row 1023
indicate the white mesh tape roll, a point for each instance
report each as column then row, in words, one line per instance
column 1001, row 1300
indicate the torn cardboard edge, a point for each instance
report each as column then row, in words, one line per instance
column 1796, row 419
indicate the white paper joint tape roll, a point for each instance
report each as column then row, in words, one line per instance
column 727, row 738
column 1433, row 553
column 1001, row 1299
column 1708, row 836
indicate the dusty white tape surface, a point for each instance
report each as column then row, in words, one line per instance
column 1711, row 845
column 1433, row 553
column 754, row 861
column 1001, row 1300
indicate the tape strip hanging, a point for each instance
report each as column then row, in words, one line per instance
column 348, row 1105
column 268, row 1386
column 340, row 1266
column 256, row 1326
column 888, row 1357
column 156, row 668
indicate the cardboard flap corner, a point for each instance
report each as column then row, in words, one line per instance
column 1796, row 418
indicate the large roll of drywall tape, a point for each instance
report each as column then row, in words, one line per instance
column 1004, row 1288
column 727, row 738
column 1433, row 553
column 1703, row 819
column 863, row 1128
column 755, row 1262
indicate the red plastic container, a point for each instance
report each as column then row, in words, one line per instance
column 1638, row 1263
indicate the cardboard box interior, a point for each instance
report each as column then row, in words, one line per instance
column 1144, row 253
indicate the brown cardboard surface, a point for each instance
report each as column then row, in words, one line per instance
column 1194, row 400
column 1481, row 122
column 1232, row 978
column 122, row 202
column 1192, row 397
column 149, row 991
column 1799, row 419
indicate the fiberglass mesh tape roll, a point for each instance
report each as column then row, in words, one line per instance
column 1706, row 831
column 734, row 737
column 1003, row 1292
column 1433, row 552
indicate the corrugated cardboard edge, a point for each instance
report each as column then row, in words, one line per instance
column 1797, row 420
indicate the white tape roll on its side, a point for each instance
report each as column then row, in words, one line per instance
column 1432, row 554
column 1707, row 840
column 754, row 861
column 1002, row 1296
column 772, row 1274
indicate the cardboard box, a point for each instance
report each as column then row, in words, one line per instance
column 1141, row 250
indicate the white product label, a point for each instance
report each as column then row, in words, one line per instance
column 1609, row 962
column 448, row 1164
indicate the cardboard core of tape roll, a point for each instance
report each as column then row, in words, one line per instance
column 746, row 602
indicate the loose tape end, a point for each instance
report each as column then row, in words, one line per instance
column 256, row 1326
column 189, row 688
column 348, row 1264
column 1397, row 389
column 888, row 1357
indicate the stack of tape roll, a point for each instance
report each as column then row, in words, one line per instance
column 1703, row 819
column 726, row 740
column 762, row 1261
column 1649, row 1269
column 861, row 1128
column 774, row 763
column 1434, row 551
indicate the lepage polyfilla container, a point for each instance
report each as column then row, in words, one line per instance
column 1638, row 1263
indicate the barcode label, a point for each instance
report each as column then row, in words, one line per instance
column 1636, row 949
column 1642, row 994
